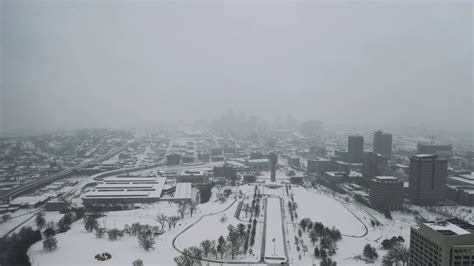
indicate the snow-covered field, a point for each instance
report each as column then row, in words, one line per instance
column 80, row 247
column 335, row 211
column 351, row 218
column 318, row 207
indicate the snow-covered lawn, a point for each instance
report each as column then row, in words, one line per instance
column 327, row 210
column 330, row 211
column 79, row 247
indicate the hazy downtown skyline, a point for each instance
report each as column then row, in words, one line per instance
column 84, row 64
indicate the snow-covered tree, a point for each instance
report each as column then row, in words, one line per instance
column 50, row 243
column 40, row 220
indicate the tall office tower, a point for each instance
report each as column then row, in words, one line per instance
column 355, row 149
column 273, row 162
column 448, row 242
column 427, row 179
column 374, row 165
column 383, row 143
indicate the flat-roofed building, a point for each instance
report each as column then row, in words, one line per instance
column 294, row 161
column 427, row 179
column 462, row 195
column 259, row 164
column 226, row 171
column 322, row 165
column 355, row 149
column 125, row 190
column 462, row 179
column 386, row 193
column 173, row 159
column 443, row 243
column 374, row 165
column 192, row 177
column 184, row 192
column 383, row 143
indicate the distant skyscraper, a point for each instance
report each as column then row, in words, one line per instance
column 427, row 179
column 383, row 143
column 374, row 165
column 273, row 162
column 355, row 149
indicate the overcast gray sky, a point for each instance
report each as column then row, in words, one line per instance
column 110, row 64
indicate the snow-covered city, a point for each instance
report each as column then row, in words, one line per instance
column 211, row 133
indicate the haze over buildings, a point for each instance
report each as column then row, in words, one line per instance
column 107, row 64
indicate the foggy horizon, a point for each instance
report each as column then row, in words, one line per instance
column 107, row 64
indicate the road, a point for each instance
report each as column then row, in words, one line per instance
column 17, row 191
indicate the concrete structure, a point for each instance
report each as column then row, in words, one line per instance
column 56, row 205
column 463, row 179
column 374, row 165
column 463, row 195
column 427, row 179
column 256, row 155
column 383, row 143
column 259, row 164
column 183, row 192
column 225, row 171
column 273, row 164
column 355, row 149
column 334, row 177
column 443, row 243
column 322, row 165
column 341, row 155
column 173, row 159
column 189, row 176
column 296, row 180
column 294, row 162
column 188, row 159
column 442, row 150
column 125, row 190
column 386, row 193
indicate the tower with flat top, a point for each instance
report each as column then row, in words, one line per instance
column 273, row 162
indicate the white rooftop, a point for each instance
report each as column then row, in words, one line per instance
column 445, row 225
column 386, row 178
column 183, row 191
column 259, row 160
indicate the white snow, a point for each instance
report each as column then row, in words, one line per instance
column 274, row 240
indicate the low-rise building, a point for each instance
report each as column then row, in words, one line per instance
column 189, row 176
column 462, row 195
column 173, row 159
column 125, row 190
column 322, row 165
column 259, row 164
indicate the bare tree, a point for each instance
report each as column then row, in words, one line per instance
column 162, row 219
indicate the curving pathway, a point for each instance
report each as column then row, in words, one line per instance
column 206, row 259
